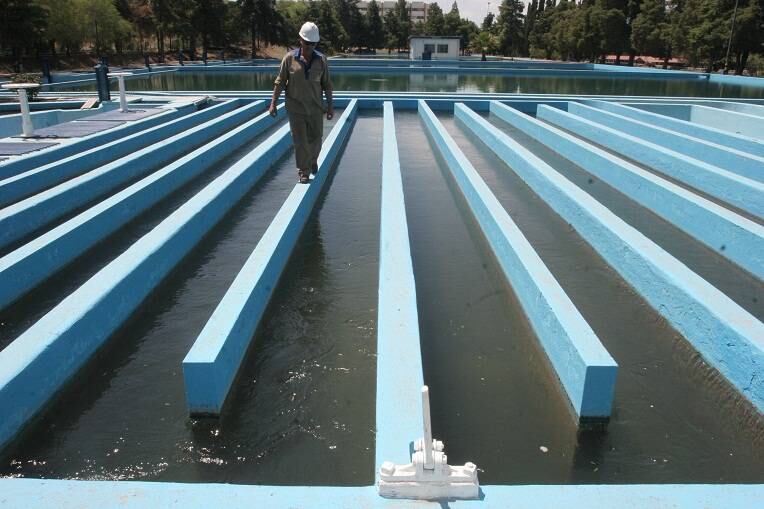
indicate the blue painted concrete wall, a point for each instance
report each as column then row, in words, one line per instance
column 729, row 338
column 25, row 216
column 10, row 125
column 737, row 190
column 726, row 233
column 16, row 187
column 38, row 363
column 49, row 494
column 731, row 121
column 24, row 268
column 42, row 106
column 399, row 356
column 47, row 156
column 732, row 160
column 586, row 371
column 713, row 135
column 215, row 357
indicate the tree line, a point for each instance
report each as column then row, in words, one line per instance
column 699, row 31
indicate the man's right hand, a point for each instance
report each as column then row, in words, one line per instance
column 272, row 110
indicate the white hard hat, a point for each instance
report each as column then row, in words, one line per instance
column 309, row 32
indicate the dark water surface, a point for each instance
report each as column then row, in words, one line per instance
column 302, row 410
column 446, row 82
column 674, row 419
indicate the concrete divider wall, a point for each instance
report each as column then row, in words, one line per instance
column 22, row 185
column 25, row 216
column 585, row 369
column 10, row 125
column 677, row 110
column 40, row 361
column 399, row 357
column 739, row 191
column 731, row 121
column 729, row 338
column 213, row 361
column 36, row 159
column 724, row 138
column 739, row 107
column 732, row 160
column 728, row 234
column 24, row 268
column 135, row 494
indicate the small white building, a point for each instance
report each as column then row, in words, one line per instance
column 425, row 47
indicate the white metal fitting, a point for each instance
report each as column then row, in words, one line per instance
column 27, row 128
column 122, row 95
column 428, row 476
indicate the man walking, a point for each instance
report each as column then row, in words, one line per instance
column 304, row 73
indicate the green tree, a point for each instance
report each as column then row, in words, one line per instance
column 748, row 35
column 22, row 26
column 392, row 30
column 611, row 29
column 530, row 22
column 65, row 26
column 510, row 26
column 435, row 22
column 484, row 42
column 357, row 29
column 451, row 21
column 375, row 30
column 561, row 39
column 701, row 32
column 102, row 23
column 651, row 32
column 467, row 30
column 487, row 22
column 403, row 14
column 264, row 22
column 333, row 36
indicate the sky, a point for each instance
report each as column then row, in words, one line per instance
column 474, row 10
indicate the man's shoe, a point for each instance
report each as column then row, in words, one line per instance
column 303, row 177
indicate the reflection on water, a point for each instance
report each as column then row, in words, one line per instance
column 449, row 82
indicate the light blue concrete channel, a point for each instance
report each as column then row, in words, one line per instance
column 710, row 134
column 36, row 159
column 729, row 234
column 60, row 494
column 717, row 118
column 739, row 123
column 399, row 356
column 25, row 216
column 213, row 361
column 729, row 338
column 42, row 106
column 742, row 192
column 39, row 362
column 586, row 371
column 10, row 125
column 731, row 105
column 735, row 161
column 19, row 186
column 87, row 158
column 24, row 268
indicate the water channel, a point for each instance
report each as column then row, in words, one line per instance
column 302, row 409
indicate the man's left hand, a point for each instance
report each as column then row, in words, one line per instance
column 330, row 113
